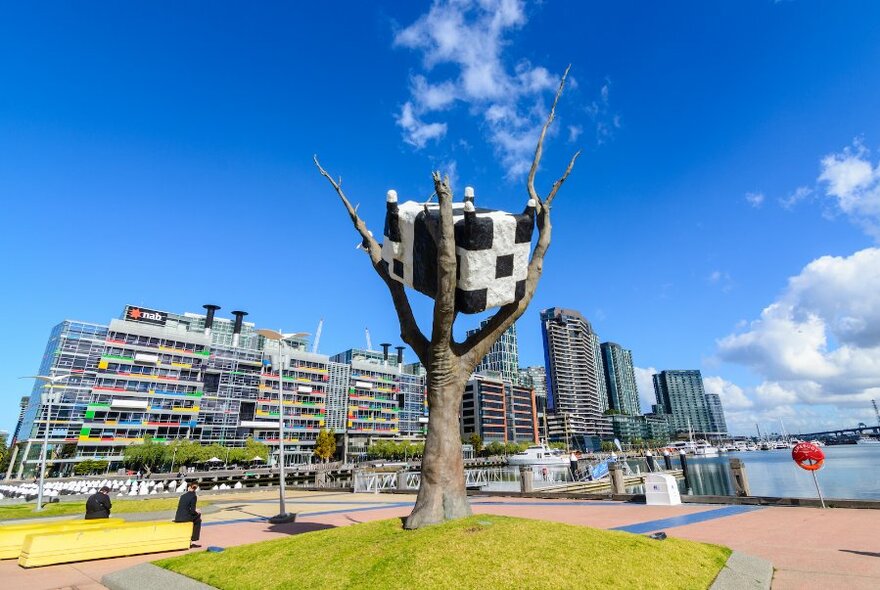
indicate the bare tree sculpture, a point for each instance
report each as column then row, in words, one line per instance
column 449, row 364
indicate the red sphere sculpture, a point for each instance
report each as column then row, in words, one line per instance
column 808, row 456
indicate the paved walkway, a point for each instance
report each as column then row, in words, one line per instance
column 809, row 547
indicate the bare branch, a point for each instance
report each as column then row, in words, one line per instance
column 409, row 328
column 549, row 200
column 540, row 147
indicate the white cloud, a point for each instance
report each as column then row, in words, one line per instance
column 721, row 279
column 732, row 396
column 472, row 37
column 799, row 194
column 418, row 133
column 574, row 131
column 818, row 344
column 755, row 199
column 854, row 183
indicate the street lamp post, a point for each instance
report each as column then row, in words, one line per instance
column 282, row 516
column 50, row 383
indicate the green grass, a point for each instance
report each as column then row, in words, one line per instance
column 481, row 552
column 63, row 508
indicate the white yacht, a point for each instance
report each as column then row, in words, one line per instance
column 704, row 449
column 539, row 455
column 865, row 440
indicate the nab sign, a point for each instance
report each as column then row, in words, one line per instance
column 147, row 316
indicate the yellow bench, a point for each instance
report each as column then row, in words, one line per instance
column 12, row 536
column 133, row 538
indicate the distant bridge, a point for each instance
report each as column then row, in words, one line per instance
column 856, row 431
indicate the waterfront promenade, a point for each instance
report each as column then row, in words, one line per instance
column 809, row 547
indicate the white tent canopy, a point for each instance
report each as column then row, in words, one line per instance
column 214, row 460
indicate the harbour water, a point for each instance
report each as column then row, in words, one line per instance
column 850, row 471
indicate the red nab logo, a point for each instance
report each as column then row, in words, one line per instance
column 141, row 314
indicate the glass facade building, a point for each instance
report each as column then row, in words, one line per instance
column 503, row 357
column 680, row 394
column 171, row 376
column 620, row 379
column 498, row 410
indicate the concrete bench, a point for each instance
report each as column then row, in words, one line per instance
column 12, row 536
column 132, row 538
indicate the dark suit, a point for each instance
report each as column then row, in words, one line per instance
column 98, row 506
column 186, row 512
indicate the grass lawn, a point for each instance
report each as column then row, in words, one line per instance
column 62, row 508
column 482, row 552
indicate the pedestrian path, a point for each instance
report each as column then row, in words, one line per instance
column 809, row 547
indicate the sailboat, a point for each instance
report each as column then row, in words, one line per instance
column 701, row 447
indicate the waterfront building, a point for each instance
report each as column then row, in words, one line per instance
column 620, row 379
column 536, row 378
column 498, row 410
column 575, row 379
column 680, row 394
column 716, row 414
column 503, row 357
column 170, row 376
column 630, row 429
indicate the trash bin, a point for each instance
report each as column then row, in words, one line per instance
column 661, row 489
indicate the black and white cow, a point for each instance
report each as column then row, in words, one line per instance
column 492, row 249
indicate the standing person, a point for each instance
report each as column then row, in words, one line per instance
column 187, row 512
column 98, row 505
column 545, row 472
column 573, row 459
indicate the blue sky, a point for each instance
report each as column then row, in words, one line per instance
column 724, row 215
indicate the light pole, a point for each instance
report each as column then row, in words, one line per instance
column 282, row 516
column 50, row 383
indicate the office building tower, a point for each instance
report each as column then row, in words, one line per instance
column 503, row 357
column 681, row 395
column 716, row 414
column 575, row 379
column 620, row 379
column 22, row 407
column 536, row 378
column 498, row 410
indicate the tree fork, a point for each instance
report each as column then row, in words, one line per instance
column 442, row 494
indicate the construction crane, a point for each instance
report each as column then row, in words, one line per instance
column 369, row 342
column 876, row 411
column 318, row 335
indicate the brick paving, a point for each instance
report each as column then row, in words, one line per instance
column 809, row 547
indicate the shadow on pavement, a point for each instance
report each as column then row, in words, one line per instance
column 853, row 551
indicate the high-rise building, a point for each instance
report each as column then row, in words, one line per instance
column 716, row 414
column 536, row 378
column 575, row 379
column 170, row 376
column 498, row 410
column 681, row 395
column 503, row 357
column 620, row 379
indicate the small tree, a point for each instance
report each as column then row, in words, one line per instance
column 476, row 441
column 325, row 446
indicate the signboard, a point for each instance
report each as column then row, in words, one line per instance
column 144, row 315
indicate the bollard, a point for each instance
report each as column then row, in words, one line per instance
column 740, row 481
column 682, row 458
column 649, row 461
column 617, row 485
column 526, row 480
column 401, row 480
column 667, row 460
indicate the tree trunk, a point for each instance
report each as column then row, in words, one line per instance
column 442, row 495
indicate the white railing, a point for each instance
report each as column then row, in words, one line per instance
column 371, row 481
